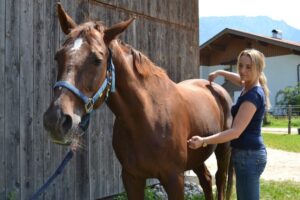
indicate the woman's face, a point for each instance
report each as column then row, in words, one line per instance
column 246, row 71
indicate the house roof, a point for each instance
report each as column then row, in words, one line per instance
column 224, row 47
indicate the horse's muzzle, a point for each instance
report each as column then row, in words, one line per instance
column 57, row 123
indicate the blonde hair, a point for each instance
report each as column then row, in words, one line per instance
column 258, row 61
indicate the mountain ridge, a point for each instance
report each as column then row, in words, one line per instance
column 261, row 25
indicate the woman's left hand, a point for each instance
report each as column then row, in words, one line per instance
column 195, row 142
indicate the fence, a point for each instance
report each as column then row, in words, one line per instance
column 286, row 111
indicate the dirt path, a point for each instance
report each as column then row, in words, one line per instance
column 281, row 165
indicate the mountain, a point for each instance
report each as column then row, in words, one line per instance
column 261, row 25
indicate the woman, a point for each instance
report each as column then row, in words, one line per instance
column 248, row 150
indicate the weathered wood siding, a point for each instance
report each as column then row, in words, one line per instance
column 166, row 31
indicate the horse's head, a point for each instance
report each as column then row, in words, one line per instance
column 85, row 76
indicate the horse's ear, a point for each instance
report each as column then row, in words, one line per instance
column 66, row 22
column 112, row 32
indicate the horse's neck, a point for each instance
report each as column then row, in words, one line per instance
column 133, row 94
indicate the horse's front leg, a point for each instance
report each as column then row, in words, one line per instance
column 134, row 186
column 174, row 185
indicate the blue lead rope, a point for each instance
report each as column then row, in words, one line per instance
column 58, row 171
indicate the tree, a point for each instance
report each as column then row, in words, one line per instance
column 288, row 96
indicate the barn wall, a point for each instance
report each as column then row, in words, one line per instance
column 167, row 32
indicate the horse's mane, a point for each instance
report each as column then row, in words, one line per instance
column 143, row 65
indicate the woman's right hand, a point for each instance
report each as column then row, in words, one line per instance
column 212, row 76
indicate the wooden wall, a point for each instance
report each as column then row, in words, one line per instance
column 166, row 31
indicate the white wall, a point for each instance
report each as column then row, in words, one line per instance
column 281, row 71
column 205, row 71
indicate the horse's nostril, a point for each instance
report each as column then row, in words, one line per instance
column 67, row 123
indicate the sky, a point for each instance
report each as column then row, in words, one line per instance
column 286, row 10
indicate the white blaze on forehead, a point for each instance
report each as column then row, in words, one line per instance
column 77, row 44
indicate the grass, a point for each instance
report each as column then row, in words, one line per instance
column 285, row 142
column 279, row 190
column 282, row 122
column 276, row 190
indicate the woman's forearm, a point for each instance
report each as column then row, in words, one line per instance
column 222, row 137
column 231, row 76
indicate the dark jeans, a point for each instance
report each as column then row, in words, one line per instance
column 248, row 165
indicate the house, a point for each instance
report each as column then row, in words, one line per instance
column 282, row 58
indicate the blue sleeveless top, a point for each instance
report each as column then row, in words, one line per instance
column 251, row 137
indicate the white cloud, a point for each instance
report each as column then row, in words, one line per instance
column 287, row 10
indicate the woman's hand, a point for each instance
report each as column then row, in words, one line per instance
column 212, row 76
column 195, row 142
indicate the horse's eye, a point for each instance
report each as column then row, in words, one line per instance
column 97, row 61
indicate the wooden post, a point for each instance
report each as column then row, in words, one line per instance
column 289, row 118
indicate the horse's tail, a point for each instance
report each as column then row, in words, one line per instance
column 229, row 179
column 224, row 151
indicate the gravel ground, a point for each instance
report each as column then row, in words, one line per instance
column 281, row 165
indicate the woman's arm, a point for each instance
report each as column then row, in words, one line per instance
column 241, row 120
column 231, row 76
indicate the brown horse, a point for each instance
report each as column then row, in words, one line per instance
column 154, row 116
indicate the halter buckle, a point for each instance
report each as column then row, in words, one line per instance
column 89, row 105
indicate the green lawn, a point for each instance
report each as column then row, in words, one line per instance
column 280, row 190
column 282, row 122
column 285, row 142
column 277, row 190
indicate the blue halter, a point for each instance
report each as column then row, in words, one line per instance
column 90, row 101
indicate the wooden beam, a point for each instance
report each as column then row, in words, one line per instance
column 263, row 43
column 217, row 47
column 237, row 37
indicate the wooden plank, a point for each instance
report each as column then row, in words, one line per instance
column 108, row 152
column 52, row 153
column 95, row 160
column 38, row 96
column 26, row 99
column 2, row 101
column 12, row 107
column 115, row 184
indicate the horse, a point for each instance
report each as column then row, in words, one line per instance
column 154, row 116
